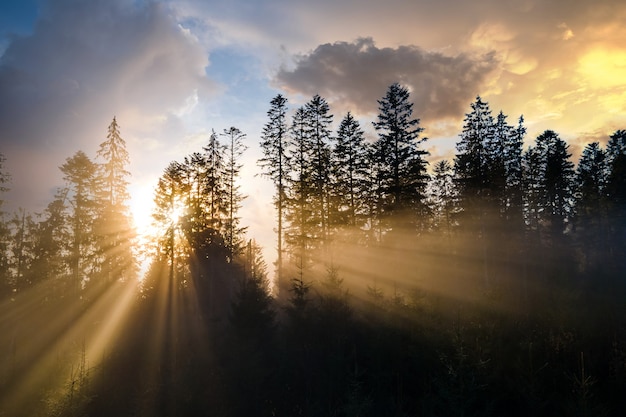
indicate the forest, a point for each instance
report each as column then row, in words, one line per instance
column 491, row 284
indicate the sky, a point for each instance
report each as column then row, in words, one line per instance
column 170, row 71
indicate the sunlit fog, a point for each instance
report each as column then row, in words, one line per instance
column 339, row 208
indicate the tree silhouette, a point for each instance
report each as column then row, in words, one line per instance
column 232, row 230
column 275, row 166
column 114, row 228
column 168, row 211
column 591, row 178
column 472, row 163
column 318, row 135
column 616, row 191
column 555, row 183
column 79, row 172
column 444, row 197
column 402, row 172
column 301, row 231
column 350, row 174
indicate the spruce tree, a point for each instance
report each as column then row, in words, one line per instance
column 513, row 167
column 79, row 172
column 479, row 173
column 532, row 183
column 114, row 227
column 591, row 178
column 169, row 210
column 402, row 172
column 23, row 236
column 234, row 149
column 472, row 162
column 213, row 184
column 443, row 197
column 52, row 242
column 275, row 166
column 616, row 195
column 556, row 183
column 114, row 173
column 252, row 313
column 318, row 135
column 299, row 234
column 350, row 176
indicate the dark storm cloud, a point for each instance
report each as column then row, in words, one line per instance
column 355, row 75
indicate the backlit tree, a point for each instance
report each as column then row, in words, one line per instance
column 402, row 173
column 275, row 166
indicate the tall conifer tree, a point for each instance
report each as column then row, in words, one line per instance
column 556, row 182
column 350, row 174
column 299, row 234
column 233, row 232
column 403, row 174
column 616, row 194
column 114, row 229
column 79, row 172
column 275, row 165
column 591, row 215
column 318, row 123
column 472, row 161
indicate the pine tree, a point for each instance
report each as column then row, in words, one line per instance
column 318, row 133
column 213, row 184
column 52, row 243
column 252, row 312
column 513, row 168
column 22, row 252
column 443, row 197
column 472, row 163
column 591, row 178
column 233, row 232
column 496, row 164
column 299, row 233
column 532, row 183
column 350, row 174
column 403, row 167
column 479, row 172
column 114, row 173
column 114, row 228
column 195, row 220
column 169, row 210
column 275, row 165
column 616, row 194
column 556, row 183
column 79, row 172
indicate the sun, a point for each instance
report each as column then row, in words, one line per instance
column 176, row 213
column 141, row 208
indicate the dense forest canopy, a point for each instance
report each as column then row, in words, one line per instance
column 488, row 284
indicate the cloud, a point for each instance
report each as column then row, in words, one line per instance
column 91, row 57
column 85, row 62
column 354, row 75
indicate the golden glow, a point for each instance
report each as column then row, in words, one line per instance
column 141, row 208
column 518, row 64
column 603, row 68
column 78, row 333
column 176, row 213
